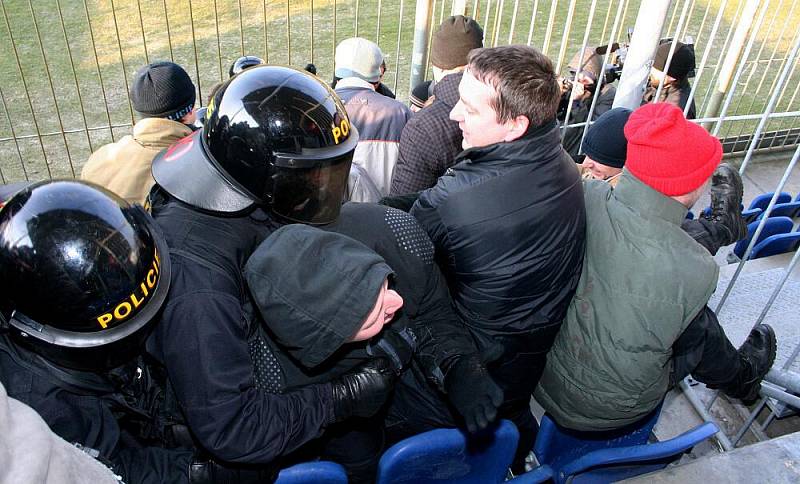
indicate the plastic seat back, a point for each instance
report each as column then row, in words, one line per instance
column 789, row 209
column 611, row 456
column 773, row 226
column 318, row 472
column 776, row 244
column 762, row 200
column 449, row 456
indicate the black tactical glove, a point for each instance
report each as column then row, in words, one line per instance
column 397, row 346
column 472, row 391
column 364, row 390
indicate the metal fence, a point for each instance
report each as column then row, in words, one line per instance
column 65, row 65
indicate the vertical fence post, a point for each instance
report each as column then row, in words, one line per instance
column 422, row 27
column 731, row 60
column 649, row 23
column 459, row 7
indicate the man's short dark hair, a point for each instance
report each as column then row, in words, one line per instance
column 524, row 79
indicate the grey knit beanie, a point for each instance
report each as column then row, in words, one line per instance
column 162, row 90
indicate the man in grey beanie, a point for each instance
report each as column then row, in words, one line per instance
column 430, row 140
column 163, row 95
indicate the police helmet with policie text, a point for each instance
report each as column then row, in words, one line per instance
column 83, row 273
column 274, row 136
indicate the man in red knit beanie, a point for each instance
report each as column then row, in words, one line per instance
column 639, row 322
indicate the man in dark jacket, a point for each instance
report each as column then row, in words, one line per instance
column 431, row 140
column 216, row 200
column 508, row 220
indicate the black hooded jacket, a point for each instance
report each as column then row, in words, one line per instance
column 508, row 223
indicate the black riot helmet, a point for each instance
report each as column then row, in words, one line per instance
column 273, row 136
column 83, row 273
column 243, row 63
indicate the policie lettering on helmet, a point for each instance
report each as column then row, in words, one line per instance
column 83, row 273
column 274, row 136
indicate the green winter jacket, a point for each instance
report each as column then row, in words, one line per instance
column 643, row 281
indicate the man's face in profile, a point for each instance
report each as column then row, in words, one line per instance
column 475, row 115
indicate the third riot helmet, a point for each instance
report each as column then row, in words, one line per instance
column 244, row 62
column 274, row 136
column 83, row 273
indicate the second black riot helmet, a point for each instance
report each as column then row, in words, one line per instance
column 274, row 136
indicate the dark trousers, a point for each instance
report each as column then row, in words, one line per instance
column 708, row 234
column 417, row 407
column 704, row 351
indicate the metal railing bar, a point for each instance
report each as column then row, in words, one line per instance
column 701, row 410
column 74, row 73
column 761, row 224
column 750, row 419
column 241, row 27
column 740, row 69
column 430, row 40
column 397, row 49
column 122, row 60
column 333, row 47
column 378, row 31
column 772, row 391
column 706, row 53
column 725, row 46
column 356, row 17
column 14, row 136
column 699, row 35
column 672, row 17
column 672, row 47
column 607, row 18
column 565, row 35
column 169, row 34
column 441, row 12
column 752, row 71
column 618, row 31
column 219, row 42
column 194, row 47
column 66, row 131
column 617, row 19
column 791, row 100
column 52, row 88
column 485, row 23
column 584, row 44
column 682, row 34
column 97, row 65
column 550, row 23
column 513, row 22
column 377, row 40
column 497, row 16
column 475, row 9
column 533, row 20
column 766, row 69
column 141, row 26
column 266, row 38
column 289, row 32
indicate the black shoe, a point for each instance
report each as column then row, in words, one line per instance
column 757, row 355
column 726, row 201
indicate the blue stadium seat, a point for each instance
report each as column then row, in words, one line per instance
column 601, row 457
column 762, row 200
column 689, row 215
column 789, row 209
column 776, row 244
column 774, row 226
column 318, row 472
column 751, row 214
column 448, row 456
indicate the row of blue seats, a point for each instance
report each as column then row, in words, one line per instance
column 448, row 456
column 777, row 237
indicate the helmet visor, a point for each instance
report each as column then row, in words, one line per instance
column 311, row 195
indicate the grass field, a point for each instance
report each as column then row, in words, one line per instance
column 71, row 60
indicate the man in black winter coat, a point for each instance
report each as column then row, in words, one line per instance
column 508, row 221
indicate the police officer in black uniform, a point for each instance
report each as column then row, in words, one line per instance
column 277, row 144
column 84, row 275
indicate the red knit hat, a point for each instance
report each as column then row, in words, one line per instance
column 668, row 153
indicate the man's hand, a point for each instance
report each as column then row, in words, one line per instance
column 473, row 392
column 364, row 390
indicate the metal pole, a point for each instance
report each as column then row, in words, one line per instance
column 459, row 7
column 649, row 23
column 533, row 20
column 702, row 67
column 673, row 45
column 422, row 29
column 731, row 59
column 551, row 20
column 701, row 410
column 565, row 36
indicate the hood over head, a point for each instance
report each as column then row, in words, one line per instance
column 314, row 289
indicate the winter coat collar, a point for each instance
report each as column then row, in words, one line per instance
column 539, row 143
column 646, row 202
column 159, row 132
